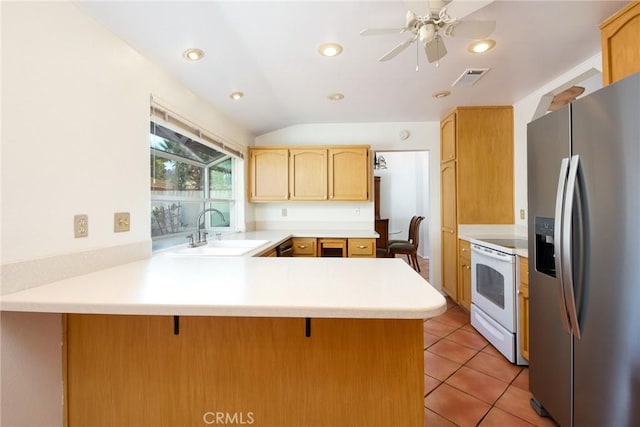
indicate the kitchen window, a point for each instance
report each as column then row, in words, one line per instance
column 187, row 176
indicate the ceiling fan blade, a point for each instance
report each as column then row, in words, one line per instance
column 458, row 9
column 435, row 49
column 396, row 50
column 377, row 31
column 471, row 29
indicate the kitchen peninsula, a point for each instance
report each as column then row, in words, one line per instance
column 177, row 340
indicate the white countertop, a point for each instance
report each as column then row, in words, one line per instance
column 242, row 286
column 481, row 232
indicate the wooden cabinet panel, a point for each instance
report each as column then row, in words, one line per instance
column 448, row 138
column 304, row 246
column 476, row 177
column 332, row 247
column 464, row 274
column 269, row 175
column 620, row 37
column 349, row 173
column 134, row 371
column 449, row 196
column 450, row 264
column 523, row 300
column 485, row 165
column 362, row 248
column 308, row 174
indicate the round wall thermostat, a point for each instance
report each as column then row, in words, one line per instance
column 404, row 134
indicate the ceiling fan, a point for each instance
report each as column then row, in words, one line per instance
column 443, row 19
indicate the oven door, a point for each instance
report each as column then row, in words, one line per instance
column 493, row 287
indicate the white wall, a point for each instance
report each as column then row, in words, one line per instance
column 381, row 137
column 75, row 130
column 404, row 192
column 523, row 113
column 75, row 114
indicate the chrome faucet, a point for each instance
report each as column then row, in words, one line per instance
column 202, row 235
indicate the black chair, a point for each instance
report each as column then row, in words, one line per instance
column 408, row 247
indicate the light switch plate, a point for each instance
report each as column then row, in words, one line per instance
column 521, row 213
column 121, row 222
column 80, row 226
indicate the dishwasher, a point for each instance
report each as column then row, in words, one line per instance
column 285, row 249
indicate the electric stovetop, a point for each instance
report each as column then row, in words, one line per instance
column 505, row 244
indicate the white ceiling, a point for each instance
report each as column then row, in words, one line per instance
column 268, row 50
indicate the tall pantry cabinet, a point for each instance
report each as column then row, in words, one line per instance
column 476, row 178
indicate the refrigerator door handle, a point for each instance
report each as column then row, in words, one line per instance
column 558, row 241
column 567, row 255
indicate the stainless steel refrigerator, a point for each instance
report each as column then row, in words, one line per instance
column 584, row 259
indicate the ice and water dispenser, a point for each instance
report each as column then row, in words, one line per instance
column 545, row 258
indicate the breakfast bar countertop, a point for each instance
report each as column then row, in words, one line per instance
column 166, row 284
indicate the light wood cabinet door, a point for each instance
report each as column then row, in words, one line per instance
column 362, row 248
column 464, row 274
column 485, row 165
column 448, row 138
column 308, row 174
column 620, row 37
column 450, row 264
column 269, row 175
column 349, row 174
column 523, row 300
column 449, row 196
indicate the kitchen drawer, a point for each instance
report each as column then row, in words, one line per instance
column 304, row 246
column 362, row 248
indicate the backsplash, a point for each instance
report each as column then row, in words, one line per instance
column 314, row 216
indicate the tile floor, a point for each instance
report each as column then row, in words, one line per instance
column 467, row 382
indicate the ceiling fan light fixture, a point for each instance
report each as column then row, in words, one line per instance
column 335, row 96
column 330, row 49
column 427, row 33
column 481, row 46
column 236, row 95
column 193, row 54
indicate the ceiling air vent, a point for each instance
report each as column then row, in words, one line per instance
column 470, row 76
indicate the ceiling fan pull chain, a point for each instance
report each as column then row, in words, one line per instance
column 417, row 67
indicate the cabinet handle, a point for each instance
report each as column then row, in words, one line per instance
column 465, row 249
column 302, row 246
column 361, row 246
column 451, row 231
column 468, row 267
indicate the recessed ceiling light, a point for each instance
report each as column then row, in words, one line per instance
column 441, row 94
column 236, row 95
column 330, row 49
column 193, row 54
column 335, row 96
column 481, row 46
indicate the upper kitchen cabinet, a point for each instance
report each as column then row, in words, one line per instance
column 448, row 138
column 349, row 173
column 308, row 174
column 269, row 175
column 313, row 173
column 620, row 39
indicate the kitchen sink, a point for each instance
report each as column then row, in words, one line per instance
column 222, row 248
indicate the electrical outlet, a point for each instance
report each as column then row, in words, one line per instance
column 357, row 211
column 521, row 213
column 80, row 226
column 284, row 211
column 121, row 222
